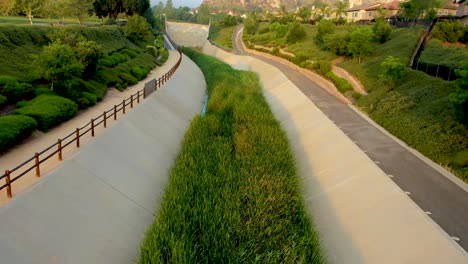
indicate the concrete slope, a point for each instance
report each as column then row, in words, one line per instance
column 96, row 207
column 361, row 215
column 187, row 34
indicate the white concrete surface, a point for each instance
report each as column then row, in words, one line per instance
column 187, row 34
column 96, row 207
column 362, row 216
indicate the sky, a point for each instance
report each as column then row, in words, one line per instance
column 177, row 3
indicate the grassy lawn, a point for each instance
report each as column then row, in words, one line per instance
column 222, row 35
column 233, row 194
column 418, row 110
column 438, row 52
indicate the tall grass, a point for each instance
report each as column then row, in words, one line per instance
column 233, row 194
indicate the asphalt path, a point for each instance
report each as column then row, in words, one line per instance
column 443, row 200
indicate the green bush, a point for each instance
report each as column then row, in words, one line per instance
column 296, row 33
column 14, row 90
column 337, row 42
column 382, row 31
column 341, row 84
column 49, row 110
column 322, row 67
column 325, row 27
column 42, row 90
column 139, row 72
column 128, row 78
column 87, row 100
column 130, row 53
column 3, row 100
column 13, row 129
column 450, row 31
column 152, row 50
column 136, row 28
column 461, row 159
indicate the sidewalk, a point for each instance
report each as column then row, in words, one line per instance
column 39, row 141
column 360, row 213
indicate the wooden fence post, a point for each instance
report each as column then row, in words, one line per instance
column 38, row 170
column 131, row 101
column 8, row 182
column 60, row 149
column 138, row 97
column 92, row 127
column 105, row 119
column 123, row 103
column 77, row 137
column 115, row 112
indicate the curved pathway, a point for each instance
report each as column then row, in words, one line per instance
column 443, row 198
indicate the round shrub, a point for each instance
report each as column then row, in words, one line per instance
column 322, row 67
column 296, row 32
column 49, row 110
column 13, row 129
column 139, row 72
column 41, row 91
column 3, row 100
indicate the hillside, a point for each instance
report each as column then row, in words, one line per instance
column 275, row 5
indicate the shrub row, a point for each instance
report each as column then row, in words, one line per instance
column 49, row 110
column 13, row 129
column 340, row 83
column 14, row 91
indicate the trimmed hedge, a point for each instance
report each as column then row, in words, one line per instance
column 342, row 84
column 13, row 129
column 49, row 110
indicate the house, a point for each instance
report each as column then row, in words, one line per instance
column 389, row 10
column 449, row 9
column 365, row 12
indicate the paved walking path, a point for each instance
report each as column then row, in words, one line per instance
column 39, row 141
column 97, row 205
column 360, row 212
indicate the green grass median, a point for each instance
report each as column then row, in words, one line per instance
column 233, row 195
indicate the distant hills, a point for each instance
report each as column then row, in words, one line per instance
column 275, row 5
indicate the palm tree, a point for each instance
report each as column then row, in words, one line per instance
column 325, row 10
column 340, row 9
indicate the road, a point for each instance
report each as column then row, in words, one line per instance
column 444, row 201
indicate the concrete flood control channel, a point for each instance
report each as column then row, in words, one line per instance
column 443, row 196
column 96, row 207
column 361, row 214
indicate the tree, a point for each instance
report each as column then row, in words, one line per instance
column 58, row 62
column 340, row 10
column 325, row 27
column 78, row 8
column 204, row 14
column 137, row 28
column 108, row 8
column 305, row 13
column 169, row 9
column 393, row 70
column 6, row 6
column 250, row 25
column 136, row 7
column 360, row 43
column 158, row 9
column 296, row 33
column 415, row 9
column 29, row 7
column 382, row 31
column 459, row 98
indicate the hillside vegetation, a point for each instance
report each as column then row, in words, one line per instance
column 73, row 65
column 416, row 109
column 233, row 195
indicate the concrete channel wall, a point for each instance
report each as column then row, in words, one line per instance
column 362, row 216
column 187, row 34
column 97, row 206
